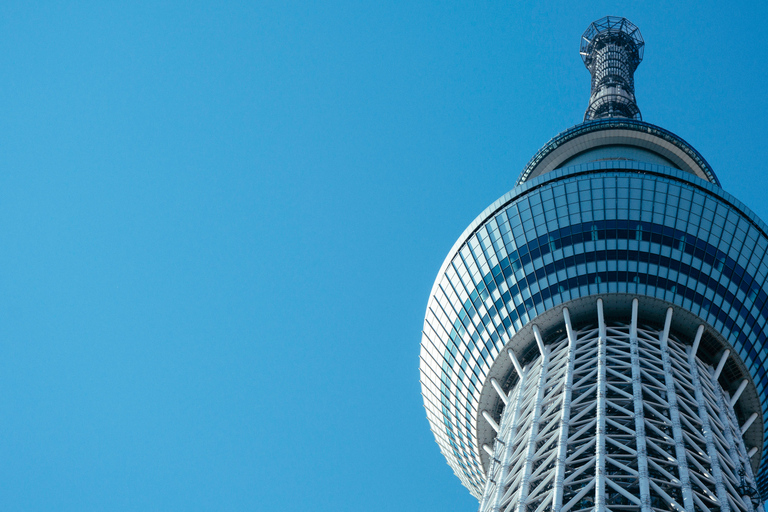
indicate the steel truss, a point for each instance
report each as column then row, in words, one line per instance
column 616, row 417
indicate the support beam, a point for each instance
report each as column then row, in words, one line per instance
column 720, row 365
column 735, row 446
column 709, row 436
column 739, row 450
column 637, row 395
column 539, row 341
column 633, row 325
column 515, row 363
column 491, row 422
column 488, row 450
column 739, row 391
column 695, row 347
column 500, row 391
column 748, row 423
column 600, row 452
column 569, row 327
column 674, row 415
column 752, row 452
column 514, row 424
column 533, row 432
column 562, row 448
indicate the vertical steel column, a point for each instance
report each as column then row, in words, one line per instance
column 533, row 435
column 674, row 415
column 511, row 432
column 741, row 451
column 562, row 449
column 731, row 427
column 717, row 473
column 637, row 392
column 600, row 454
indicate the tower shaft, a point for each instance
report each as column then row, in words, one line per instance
column 618, row 416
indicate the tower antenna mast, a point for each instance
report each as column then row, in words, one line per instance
column 612, row 48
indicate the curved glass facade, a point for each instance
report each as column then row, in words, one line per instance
column 596, row 228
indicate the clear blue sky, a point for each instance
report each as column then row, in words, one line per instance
column 220, row 223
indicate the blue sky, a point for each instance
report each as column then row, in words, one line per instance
column 220, row 223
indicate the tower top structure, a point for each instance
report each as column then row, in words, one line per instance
column 597, row 339
column 612, row 48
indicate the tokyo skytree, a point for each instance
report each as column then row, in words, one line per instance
column 596, row 338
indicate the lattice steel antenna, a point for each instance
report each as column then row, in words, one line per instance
column 612, row 48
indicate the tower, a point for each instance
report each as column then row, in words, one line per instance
column 596, row 338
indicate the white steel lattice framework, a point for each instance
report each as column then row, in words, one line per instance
column 618, row 417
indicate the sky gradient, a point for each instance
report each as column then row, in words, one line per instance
column 221, row 221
